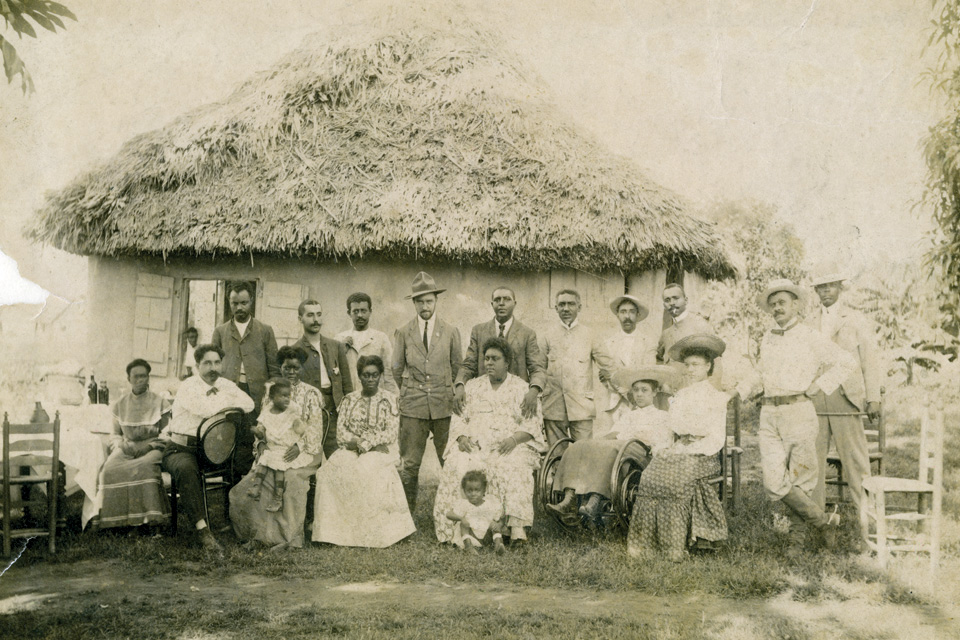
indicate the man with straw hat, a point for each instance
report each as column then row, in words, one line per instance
column 571, row 351
column 629, row 349
column 860, row 393
column 426, row 359
column 796, row 363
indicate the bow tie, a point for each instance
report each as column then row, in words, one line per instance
column 212, row 391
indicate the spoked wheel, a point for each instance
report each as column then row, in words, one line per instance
column 631, row 460
column 546, row 492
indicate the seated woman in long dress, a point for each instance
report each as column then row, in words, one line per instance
column 360, row 500
column 254, row 517
column 132, row 492
column 491, row 435
column 676, row 506
column 586, row 466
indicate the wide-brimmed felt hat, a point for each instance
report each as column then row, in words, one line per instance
column 663, row 374
column 642, row 311
column 700, row 342
column 776, row 286
column 423, row 284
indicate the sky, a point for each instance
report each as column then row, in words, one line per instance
column 815, row 107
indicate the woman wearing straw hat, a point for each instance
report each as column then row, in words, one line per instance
column 586, row 466
column 675, row 506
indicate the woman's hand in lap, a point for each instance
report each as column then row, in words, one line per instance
column 467, row 445
column 291, row 453
column 507, row 446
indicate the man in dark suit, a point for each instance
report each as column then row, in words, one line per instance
column 249, row 359
column 326, row 368
column 426, row 359
column 528, row 363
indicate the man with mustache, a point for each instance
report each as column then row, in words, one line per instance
column 199, row 397
column 628, row 348
column 859, row 393
column 249, row 359
column 327, row 367
column 528, row 363
column 796, row 364
column 426, row 360
column 683, row 323
column 571, row 351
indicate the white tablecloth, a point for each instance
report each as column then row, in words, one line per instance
column 84, row 436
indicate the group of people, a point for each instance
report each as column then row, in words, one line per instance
column 332, row 409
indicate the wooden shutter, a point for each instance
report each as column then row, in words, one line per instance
column 153, row 319
column 279, row 309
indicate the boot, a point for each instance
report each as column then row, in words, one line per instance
column 566, row 504
column 591, row 508
column 831, row 529
column 801, row 504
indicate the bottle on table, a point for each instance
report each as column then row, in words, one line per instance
column 103, row 393
column 92, row 390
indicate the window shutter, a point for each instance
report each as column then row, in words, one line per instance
column 280, row 302
column 153, row 319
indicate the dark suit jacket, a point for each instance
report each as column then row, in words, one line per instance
column 257, row 350
column 528, row 363
column 334, row 361
column 426, row 379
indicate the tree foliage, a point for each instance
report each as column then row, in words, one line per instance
column 17, row 15
column 942, row 154
column 767, row 248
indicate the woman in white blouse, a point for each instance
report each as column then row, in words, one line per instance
column 676, row 508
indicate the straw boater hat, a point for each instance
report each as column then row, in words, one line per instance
column 422, row 285
column 776, row 286
column 642, row 311
column 663, row 374
column 705, row 341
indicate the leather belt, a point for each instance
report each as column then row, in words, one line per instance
column 777, row 401
column 182, row 440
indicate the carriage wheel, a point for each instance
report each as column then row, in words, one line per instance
column 625, row 478
column 545, row 491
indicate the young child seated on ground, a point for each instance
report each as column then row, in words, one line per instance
column 280, row 428
column 478, row 514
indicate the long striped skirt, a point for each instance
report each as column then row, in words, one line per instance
column 132, row 490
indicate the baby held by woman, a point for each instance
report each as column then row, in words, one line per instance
column 280, row 428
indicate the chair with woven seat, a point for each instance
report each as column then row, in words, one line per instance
column 30, row 461
column 889, row 522
column 728, row 482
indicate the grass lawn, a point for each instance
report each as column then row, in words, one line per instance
column 122, row 584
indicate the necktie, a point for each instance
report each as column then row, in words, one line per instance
column 212, row 391
column 426, row 345
column 501, row 329
column 778, row 332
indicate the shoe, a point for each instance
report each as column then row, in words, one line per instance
column 498, row 546
column 591, row 508
column 210, row 544
column 565, row 505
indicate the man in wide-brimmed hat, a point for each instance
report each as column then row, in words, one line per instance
column 860, row 393
column 527, row 363
column 796, row 363
column 571, row 351
column 426, row 360
column 629, row 349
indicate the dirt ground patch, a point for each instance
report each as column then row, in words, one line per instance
column 103, row 588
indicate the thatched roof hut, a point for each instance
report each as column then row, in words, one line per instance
column 396, row 144
column 404, row 145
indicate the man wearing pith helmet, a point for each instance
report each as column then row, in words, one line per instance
column 860, row 393
column 426, row 359
column 796, row 363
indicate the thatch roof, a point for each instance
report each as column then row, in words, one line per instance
column 401, row 142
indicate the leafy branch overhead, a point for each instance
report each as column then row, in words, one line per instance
column 17, row 15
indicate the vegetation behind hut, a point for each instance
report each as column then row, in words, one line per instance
column 399, row 140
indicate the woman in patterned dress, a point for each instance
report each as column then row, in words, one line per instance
column 132, row 492
column 360, row 500
column 252, row 520
column 492, row 435
column 676, row 506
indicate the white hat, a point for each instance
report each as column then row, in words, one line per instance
column 642, row 310
column 775, row 286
